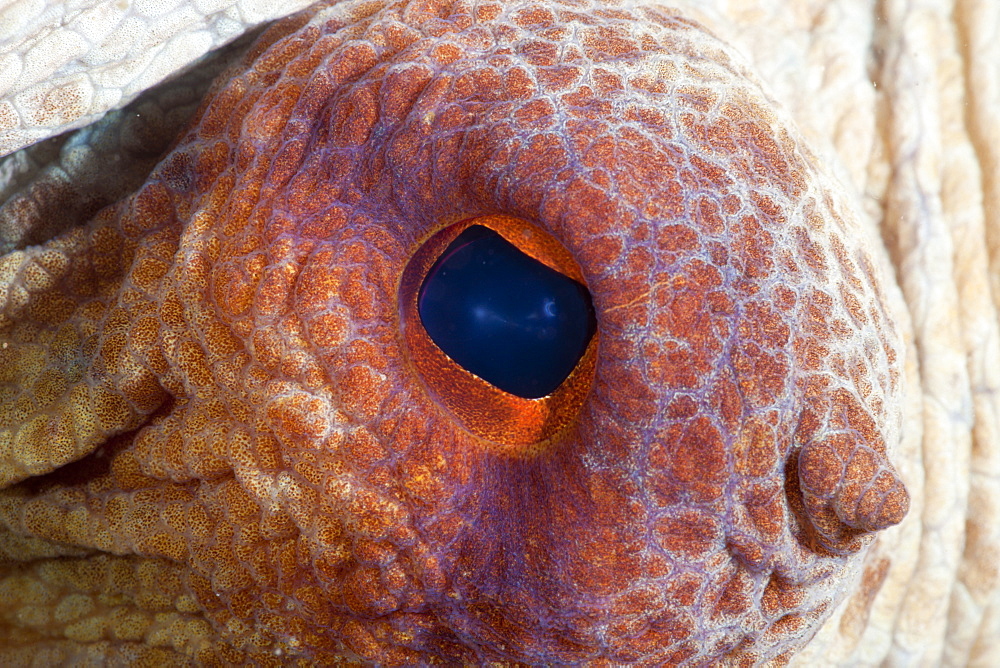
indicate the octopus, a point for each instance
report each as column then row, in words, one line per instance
column 228, row 435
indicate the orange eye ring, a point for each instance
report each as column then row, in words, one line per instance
column 511, row 425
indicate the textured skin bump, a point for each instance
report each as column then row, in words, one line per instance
column 219, row 357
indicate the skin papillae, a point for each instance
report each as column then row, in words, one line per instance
column 217, row 452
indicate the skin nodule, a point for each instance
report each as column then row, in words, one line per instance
column 210, row 408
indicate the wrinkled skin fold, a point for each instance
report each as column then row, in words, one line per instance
column 217, row 451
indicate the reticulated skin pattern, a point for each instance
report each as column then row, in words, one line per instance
column 210, row 381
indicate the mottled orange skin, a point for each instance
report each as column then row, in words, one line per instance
column 256, row 430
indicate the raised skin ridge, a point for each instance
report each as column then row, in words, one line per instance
column 724, row 476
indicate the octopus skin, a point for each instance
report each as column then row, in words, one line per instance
column 220, row 448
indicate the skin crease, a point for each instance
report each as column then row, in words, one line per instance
column 141, row 548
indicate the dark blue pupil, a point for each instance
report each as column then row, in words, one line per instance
column 505, row 316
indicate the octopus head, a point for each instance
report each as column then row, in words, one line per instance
column 698, row 476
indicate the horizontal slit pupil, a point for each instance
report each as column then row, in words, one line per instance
column 503, row 315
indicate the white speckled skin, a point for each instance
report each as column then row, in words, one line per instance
column 904, row 101
column 64, row 64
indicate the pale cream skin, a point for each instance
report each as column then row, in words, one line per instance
column 902, row 103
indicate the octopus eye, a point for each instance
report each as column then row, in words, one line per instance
column 500, row 327
column 504, row 316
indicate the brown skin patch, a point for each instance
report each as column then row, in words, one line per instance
column 224, row 359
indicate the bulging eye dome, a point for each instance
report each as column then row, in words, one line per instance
column 500, row 328
column 504, row 316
